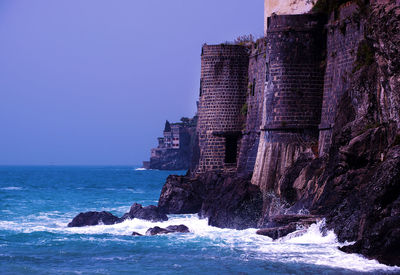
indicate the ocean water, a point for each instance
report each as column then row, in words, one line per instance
column 36, row 204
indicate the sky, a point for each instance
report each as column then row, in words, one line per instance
column 91, row 82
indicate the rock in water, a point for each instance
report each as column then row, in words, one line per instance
column 150, row 213
column 93, row 218
column 226, row 200
column 157, row 231
column 179, row 196
column 231, row 202
column 277, row 232
column 282, row 225
column 178, row 228
column 136, row 234
column 170, row 229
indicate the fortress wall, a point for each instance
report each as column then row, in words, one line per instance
column 293, row 94
column 255, row 99
column 343, row 38
column 223, row 89
column 285, row 7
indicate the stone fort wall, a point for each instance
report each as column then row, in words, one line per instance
column 255, row 99
column 281, row 7
column 224, row 74
column 293, row 94
column 344, row 35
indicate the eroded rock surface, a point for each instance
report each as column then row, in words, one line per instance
column 170, row 229
column 150, row 213
column 93, row 218
column 226, row 200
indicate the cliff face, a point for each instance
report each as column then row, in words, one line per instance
column 357, row 185
column 330, row 136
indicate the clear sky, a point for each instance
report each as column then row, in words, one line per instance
column 91, row 82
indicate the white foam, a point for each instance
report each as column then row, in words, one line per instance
column 309, row 247
column 140, row 169
column 11, row 188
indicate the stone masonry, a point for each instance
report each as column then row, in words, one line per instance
column 293, row 94
column 224, row 70
column 255, row 99
column 343, row 37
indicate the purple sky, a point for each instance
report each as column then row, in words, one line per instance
column 92, row 82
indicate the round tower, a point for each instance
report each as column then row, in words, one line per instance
column 296, row 76
column 223, row 87
column 293, row 94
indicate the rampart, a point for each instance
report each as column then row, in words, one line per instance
column 254, row 107
column 343, row 38
column 293, row 94
column 224, row 70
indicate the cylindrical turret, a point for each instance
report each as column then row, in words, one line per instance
column 293, row 94
column 223, row 89
column 295, row 84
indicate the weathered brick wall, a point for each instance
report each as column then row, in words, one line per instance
column 255, row 99
column 293, row 94
column 224, row 70
column 343, row 37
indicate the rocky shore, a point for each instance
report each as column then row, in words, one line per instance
column 354, row 186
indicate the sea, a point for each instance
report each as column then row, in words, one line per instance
column 37, row 203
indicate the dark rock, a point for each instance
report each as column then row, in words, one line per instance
column 150, row 213
column 157, row 231
column 93, row 218
column 136, row 234
column 226, row 200
column 231, row 202
column 286, row 219
column 179, row 195
column 178, row 228
column 170, row 229
column 282, row 225
column 277, row 232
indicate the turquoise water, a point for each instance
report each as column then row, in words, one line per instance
column 36, row 203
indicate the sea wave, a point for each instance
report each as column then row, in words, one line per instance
column 11, row 188
column 309, row 246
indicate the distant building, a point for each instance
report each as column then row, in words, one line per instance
column 175, row 147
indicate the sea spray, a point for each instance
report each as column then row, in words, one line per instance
column 34, row 237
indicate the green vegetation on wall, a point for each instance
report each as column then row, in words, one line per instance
column 244, row 109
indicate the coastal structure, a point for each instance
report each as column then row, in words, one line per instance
column 344, row 35
column 299, row 126
column 263, row 104
column 223, row 87
column 285, row 7
column 175, row 147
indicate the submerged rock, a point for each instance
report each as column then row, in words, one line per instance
column 93, row 218
column 150, row 213
column 136, row 234
column 170, row 229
